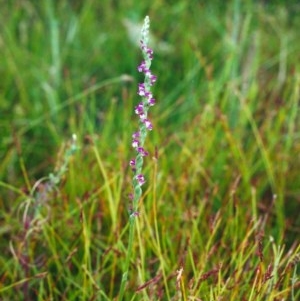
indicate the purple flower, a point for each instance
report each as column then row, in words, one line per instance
column 142, row 66
column 148, row 124
column 140, row 178
column 132, row 163
column 135, row 143
column 139, row 109
column 142, row 90
column 152, row 79
column 151, row 102
column 136, row 135
column 150, row 53
column 142, row 151
column 130, row 196
column 147, row 72
column 148, row 94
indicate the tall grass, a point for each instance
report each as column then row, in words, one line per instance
column 218, row 218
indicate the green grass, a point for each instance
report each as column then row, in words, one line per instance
column 219, row 216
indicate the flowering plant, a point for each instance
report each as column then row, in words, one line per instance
column 138, row 140
column 145, row 125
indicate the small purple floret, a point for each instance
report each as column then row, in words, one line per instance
column 140, row 178
column 135, row 143
column 142, row 151
column 148, row 124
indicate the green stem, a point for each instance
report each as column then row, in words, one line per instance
column 128, row 256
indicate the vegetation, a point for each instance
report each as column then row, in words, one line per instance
column 219, row 215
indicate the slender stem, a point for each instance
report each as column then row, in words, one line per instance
column 145, row 125
column 128, row 256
